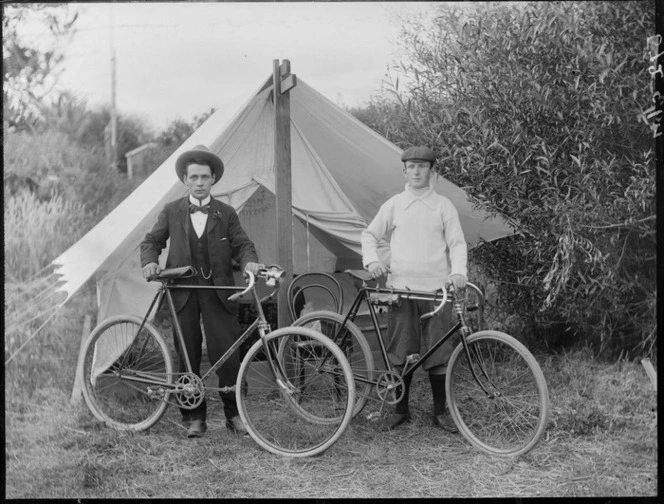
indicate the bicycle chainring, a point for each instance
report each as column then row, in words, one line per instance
column 191, row 391
column 390, row 387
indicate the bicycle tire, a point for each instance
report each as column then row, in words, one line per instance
column 294, row 418
column 117, row 400
column 512, row 422
column 356, row 349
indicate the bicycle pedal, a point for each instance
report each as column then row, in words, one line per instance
column 373, row 417
column 412, row 358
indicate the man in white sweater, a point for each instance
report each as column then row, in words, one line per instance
column 427, row 249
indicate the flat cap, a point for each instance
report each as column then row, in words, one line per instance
column 420, row 152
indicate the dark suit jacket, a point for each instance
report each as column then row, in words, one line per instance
column 226, row 240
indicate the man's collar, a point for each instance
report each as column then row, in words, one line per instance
column 411, row 197
column 197, row 202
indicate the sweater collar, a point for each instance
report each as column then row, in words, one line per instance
column 411, row 197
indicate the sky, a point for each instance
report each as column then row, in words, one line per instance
column 177, row 60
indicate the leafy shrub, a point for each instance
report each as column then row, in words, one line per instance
column 77, row 173
column 536, row 110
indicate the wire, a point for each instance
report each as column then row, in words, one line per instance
column 34, row 334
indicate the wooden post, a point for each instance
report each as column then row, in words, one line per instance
column 77, row 390
column 650, row 371
column 283, row 81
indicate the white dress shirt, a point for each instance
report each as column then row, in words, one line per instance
column 198, row 219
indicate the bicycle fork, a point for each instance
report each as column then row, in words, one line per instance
column 465, row 332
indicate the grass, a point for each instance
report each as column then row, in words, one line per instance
column 37, row 231
column 601, row 441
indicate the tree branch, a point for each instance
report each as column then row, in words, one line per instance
column 624, row 224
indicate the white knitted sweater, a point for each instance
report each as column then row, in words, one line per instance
column 425, row 236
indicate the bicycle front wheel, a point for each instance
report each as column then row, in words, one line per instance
column 126, row 373
column 504, row 410
column 305, row 408
column 352, row 343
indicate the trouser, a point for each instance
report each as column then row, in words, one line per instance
column 222, row 329
column 407, row 335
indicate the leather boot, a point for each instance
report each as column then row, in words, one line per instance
column 197, row 428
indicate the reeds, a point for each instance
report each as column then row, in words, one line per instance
column 36, row 232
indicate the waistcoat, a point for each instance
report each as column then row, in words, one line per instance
column 200, row 258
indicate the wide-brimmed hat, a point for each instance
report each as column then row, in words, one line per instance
column 200, row 152
column 419, row 153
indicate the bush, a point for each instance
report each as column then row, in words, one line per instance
column 536, row 110
column 62, row 167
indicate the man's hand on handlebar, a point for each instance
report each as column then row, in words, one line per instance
column 254, row 268
column 458, row 281
column 151, row 270
column 377, row 269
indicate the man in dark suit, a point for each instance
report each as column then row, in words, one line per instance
column 206, row 234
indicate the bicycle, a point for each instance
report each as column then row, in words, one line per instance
column 129, row 379
column 496, row 392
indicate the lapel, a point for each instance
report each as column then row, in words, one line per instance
column 214, row 216
column 183, row 220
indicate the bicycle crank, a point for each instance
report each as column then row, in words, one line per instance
column 190, row 391
column 390, row 387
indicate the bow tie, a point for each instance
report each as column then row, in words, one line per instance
column 195, row 208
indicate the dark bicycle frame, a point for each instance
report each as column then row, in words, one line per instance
column 167, row 285
column 363, row 294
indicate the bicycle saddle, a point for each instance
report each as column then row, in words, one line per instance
column 359, row 274
column 173, row 273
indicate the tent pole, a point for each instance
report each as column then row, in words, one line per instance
column 283, row 81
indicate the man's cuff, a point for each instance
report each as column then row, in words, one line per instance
column 368, row 260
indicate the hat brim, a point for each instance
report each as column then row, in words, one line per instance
column 215, row 163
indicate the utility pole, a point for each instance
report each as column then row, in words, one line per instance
column 114, row 124
column 283, row 81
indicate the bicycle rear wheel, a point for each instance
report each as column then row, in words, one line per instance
column 511, row 419
column 126, row 373
column 305, row 409
column 352, row 343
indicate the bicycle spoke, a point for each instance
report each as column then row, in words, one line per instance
column 304, row 410
column 122, row 368
column 352, row 343
column 513, row 417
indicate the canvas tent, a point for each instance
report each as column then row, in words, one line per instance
column 342, row 171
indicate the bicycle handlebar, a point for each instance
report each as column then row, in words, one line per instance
column 439, row 307
column 448, row 287
column 250, row 285
column 273, row 276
